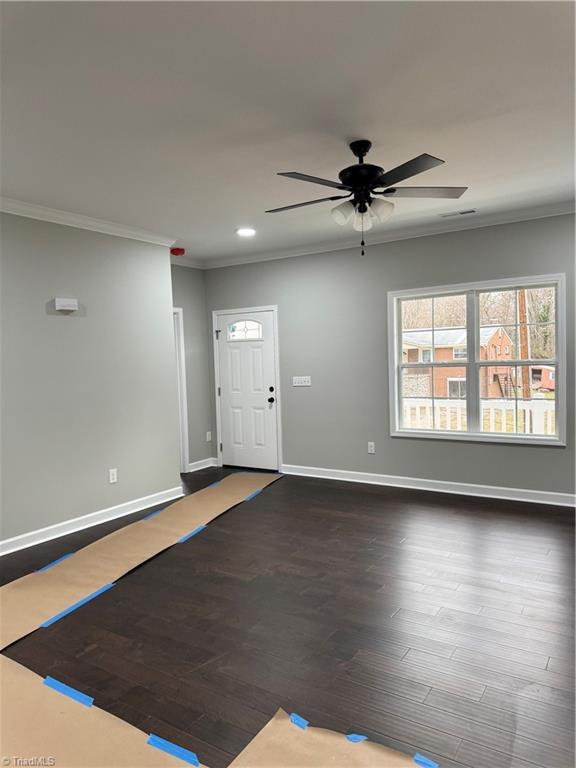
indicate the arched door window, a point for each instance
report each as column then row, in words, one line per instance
column 244, row 330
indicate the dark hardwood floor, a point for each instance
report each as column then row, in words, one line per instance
column 430, row 623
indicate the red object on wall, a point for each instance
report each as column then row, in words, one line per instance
column 177, row 251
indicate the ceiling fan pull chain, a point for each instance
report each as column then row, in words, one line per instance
column 362, row 243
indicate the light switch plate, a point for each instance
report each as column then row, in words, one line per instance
column 301, row 381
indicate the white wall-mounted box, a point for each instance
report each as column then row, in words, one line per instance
column 66, row 305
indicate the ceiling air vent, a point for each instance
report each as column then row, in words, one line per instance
column 457, row 213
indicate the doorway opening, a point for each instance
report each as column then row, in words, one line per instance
column 178, row 314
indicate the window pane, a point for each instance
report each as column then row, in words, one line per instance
column 498, row 382
column 537, row 400
column 417, row 347
column 538, row 342
column 450, row 398
column 498, row 398
column 498, row 308
column 417, row 404
column 541, row 305
column 498, row 342
column 446, row 341
column 417, row 314
column 449, row 327
column 450, row 311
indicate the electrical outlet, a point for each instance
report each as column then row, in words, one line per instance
column 371, row 447
column 208, row 437
column 113, row 475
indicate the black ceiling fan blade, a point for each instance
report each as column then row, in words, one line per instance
column 309, row 202
column 417, row 165
column 424, row 192
column 314, row 179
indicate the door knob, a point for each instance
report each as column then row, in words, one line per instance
column 270, row 399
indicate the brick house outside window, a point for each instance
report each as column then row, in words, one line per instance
column 450, row 345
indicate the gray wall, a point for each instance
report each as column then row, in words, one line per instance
column 189, row 292
column 89, row 391
column 332, row 325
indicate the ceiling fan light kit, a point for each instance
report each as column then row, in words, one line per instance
column 381, row 209
column 343, row 212
column 362, row 222
column 363, row 181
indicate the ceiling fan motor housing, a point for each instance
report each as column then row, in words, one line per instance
column 361, row 175
column 361, row 178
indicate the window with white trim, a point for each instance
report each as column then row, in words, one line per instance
column 460, row 353
column 480, row 361
column 457, row 389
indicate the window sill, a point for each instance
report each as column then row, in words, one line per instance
column 476, row 437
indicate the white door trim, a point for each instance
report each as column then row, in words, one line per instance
column 215, row 315
column 178, row 313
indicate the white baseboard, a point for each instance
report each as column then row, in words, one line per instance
column 25, row 540
column 441, row 486
column 202, row 464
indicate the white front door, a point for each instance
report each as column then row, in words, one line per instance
column 246, row 346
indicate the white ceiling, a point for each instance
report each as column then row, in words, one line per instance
column 175, row 117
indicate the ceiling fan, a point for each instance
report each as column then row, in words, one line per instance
column 363, row 181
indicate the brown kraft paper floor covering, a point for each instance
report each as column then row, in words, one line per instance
column 37, row 721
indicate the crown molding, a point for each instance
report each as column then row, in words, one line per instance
column 55, row 216
column 78, row 221
column 407, row 232
column 185, row 261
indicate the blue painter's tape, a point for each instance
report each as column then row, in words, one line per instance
column 213, row 484
column 152, row 514
column 299, row 721
column 356, row 737
column 76, row 605
column 425, row 762
column 254, row 493
column 55, row 562
column 68, row 691
column 173, row 749
column 192, row 533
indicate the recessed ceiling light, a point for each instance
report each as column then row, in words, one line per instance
column 245, row 232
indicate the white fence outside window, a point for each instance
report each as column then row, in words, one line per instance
column 536, row 417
